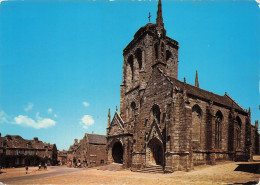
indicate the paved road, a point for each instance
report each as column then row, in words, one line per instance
column 57, row 170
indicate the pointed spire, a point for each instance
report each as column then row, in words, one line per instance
column 108, row 118
column 249, row 113
column 184, row 80
column 159, row 18
column 116, row 109
column 197, row 80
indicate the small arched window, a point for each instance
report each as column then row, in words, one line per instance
column 133, row 107
column 218, row 129
column 138, row 56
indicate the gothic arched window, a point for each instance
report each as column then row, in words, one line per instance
column 138, row 56
column 196, row 123
column 218, row 129
column 238, row 132
column 131, row 64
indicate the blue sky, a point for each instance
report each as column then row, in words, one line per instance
column 61, row 61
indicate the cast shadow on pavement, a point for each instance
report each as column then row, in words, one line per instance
column 250, row 168
column 249, row 183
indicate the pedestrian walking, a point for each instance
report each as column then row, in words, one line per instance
column 26, row 169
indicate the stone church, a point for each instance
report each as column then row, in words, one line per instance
column 166, row 122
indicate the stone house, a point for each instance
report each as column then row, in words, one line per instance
column 62, row 157
column 167, row 122
column 90, row 151
column 72, row 151
column 16, row 151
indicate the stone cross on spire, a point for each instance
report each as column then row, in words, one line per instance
column 149, row 17
column 159, row 18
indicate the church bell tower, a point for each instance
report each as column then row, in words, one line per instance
column 149, row 48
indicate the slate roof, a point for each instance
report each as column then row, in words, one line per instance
column 16, row 141
column 201, row 93
column 96, row 139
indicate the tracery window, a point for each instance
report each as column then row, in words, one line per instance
column 238, row 132
column 218, row 129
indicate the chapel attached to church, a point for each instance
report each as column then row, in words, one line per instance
column 164, row 121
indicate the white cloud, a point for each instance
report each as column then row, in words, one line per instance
column 55, row 115
column 37, row 124
column 258, row 1
column 2, row 1
column 50, row 110
column 29, row 107
column 3, row 117
column 85, row 104
column 86, row 121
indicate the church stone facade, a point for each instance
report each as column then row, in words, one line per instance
column 167, row 122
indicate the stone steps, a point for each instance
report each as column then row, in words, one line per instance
column 151, row 169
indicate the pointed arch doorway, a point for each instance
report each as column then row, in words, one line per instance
column 155, row 152
column 117, row 152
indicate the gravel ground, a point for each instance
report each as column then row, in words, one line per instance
column 224, row 173
column 18, row 172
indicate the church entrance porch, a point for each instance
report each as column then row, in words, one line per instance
column 117, row 152
column 155, row 152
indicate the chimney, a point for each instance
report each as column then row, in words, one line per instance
column 76, row 141
column 0, row 134
column 256, row 124
column 35, row 139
